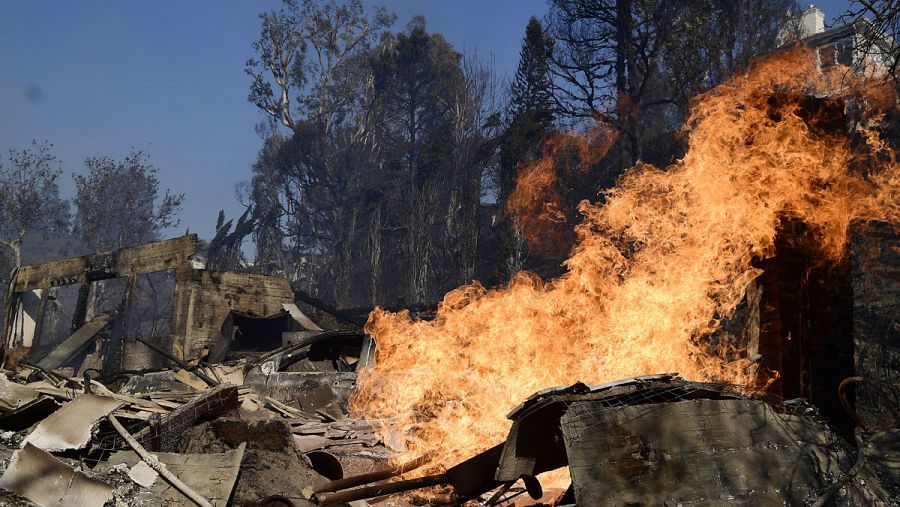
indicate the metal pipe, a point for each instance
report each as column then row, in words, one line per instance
column 377, row 475
column 388, row 488
column 326, row 464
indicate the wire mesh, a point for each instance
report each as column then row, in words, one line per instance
column 107, row 441
column 165, row 431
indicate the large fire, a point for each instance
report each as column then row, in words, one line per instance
column 656, row 266
column 535, row 201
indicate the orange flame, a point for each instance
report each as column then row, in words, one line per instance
column 535, row 201
column 654, row 268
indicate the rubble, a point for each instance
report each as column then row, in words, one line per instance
column 75, row 343
column 634, row 440
column 211, row 475
column 28, row 414
column 139, row 376
column 207, row 439
column 238, row 398
column 271, row 463
column 133, row 302
column 60, row 484
column 14, row 395
column 317, row 374
column 661, row 440
column 72, row 426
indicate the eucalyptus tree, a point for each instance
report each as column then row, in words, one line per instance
column 119, row 203
column 30, row 198
column 309, row 76
column 370, row 172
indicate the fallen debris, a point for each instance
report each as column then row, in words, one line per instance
column 14, row 395
column 72, row 426
column 164, row 434
column 185, row 377
column 368, row 478
column 271, row 464
column 633, row 441
column 212, row 476
column 59, row 484
column 316, row 375
column 141, row 474
column 28, row 414
column 154, row 463
column 74, row 344
column 229, row 444
column 468, row 479
column 155, row 382
column 131, row 394
column 300, row 317
column 193, row 380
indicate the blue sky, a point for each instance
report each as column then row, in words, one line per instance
column 101, row 77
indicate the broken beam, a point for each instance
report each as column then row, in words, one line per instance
column 193, row 369
column 375, row 490
column 74, row 343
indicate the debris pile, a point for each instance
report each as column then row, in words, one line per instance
column 232, row 396
column 176, row 443
column 662, row 440
column 139, row 376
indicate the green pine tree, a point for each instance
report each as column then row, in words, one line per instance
column 531, row 90
column 531, row 105
column 531, row 120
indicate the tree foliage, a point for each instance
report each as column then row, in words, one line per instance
column 879, row 38
column 300, row 53
column 531, row 104
column 530, row 122
column 118, row 203
column 30, row 197
column 380, row 171
column 532, row 87
column 370, row 185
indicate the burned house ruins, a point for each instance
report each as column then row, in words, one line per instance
column 219, row 373
column 149, row 293
column 724, row 331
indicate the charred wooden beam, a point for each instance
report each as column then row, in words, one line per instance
column 195, row 369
